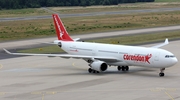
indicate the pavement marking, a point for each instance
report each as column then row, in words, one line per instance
column 42, row 96
column 1, row 66
column 43, row 93
column 168, row 95
column 2, row 93
column 53, row 92
column 73, row 64
column 164, row 90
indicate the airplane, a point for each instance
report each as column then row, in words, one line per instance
column 100, row 56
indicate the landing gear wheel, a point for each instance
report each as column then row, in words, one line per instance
column 90, row 70
column 94, row 71
column 123, row 68
column 119, row 68
column 161, row 74
column 127, row 68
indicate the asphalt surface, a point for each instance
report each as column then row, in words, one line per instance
column 43, row 78
column 91, row 14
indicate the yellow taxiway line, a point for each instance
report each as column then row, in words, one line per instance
column 77, row 66
column 169, row 95
column 165, row 90
column 1, row 66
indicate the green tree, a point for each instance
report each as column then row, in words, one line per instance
column 49, row 3
column 16, row 4
column 106, row 2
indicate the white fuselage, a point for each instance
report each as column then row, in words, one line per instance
column 128, row 55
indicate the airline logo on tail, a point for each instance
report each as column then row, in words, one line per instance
column 59, row 28
column 61, row 32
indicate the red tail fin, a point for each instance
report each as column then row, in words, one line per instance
column 61, row 32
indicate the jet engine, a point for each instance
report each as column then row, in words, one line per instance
column 99, row 66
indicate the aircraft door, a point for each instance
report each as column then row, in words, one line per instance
column 94, row 50
column 156, row 58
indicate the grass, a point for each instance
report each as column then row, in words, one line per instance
column 120, row 7
column 129, row 6
column 130, row 40
column 69, row 10
column 14, row 30
column 22, row 12
column 139, row 39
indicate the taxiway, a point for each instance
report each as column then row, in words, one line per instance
column 43, row 78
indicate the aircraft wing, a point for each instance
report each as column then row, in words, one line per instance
column 161, row 45
column 102, row 58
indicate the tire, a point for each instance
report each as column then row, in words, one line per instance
column 90, row 70
column 119, row 68
column 127, row 68
column 161, row 74
column 123, row 68
column 94, row 71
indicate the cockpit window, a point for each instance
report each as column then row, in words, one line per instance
column 169, row 56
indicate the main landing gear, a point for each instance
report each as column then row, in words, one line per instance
column 92, row 71
column 123, row 68
column 161, row 74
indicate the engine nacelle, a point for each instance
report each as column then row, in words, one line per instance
column 99, row 66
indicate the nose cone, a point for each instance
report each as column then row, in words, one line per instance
column 174, row 61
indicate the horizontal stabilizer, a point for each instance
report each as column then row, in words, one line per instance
column 47, row 42
column 76, row 39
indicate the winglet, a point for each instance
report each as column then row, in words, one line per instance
column 166, row 41
column 163, row 44
column 7, row 51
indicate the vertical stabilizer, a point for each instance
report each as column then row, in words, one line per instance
column 61, row 32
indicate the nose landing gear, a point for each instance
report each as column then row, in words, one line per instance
column 161, row 74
